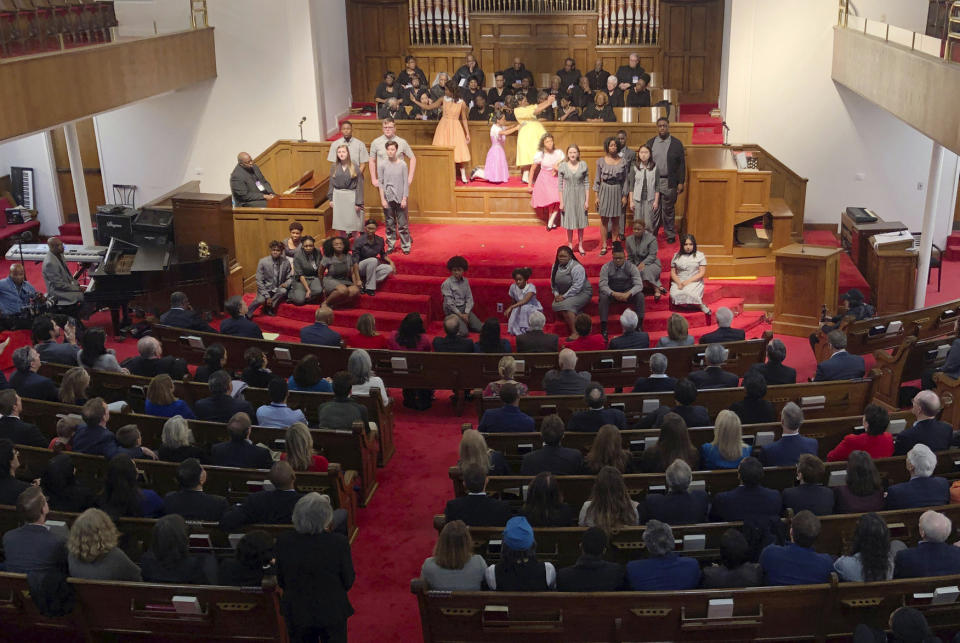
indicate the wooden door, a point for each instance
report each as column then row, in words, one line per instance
column 91, row 169
column 691, row 41
column 378, row 39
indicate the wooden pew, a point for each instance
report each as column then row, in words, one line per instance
column 906, row 362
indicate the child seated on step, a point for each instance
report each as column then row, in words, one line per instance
column 457, row 296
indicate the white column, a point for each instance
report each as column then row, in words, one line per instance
column 79, row 184
column 929, row 220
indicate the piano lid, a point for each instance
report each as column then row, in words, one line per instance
column 123, row 257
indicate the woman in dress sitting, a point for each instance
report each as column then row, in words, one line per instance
column 368, row 336
column 341, row 278
column 214, row 359
column 169, row 559
column 454, row 566
column 571, row 288
column 687, row 269
column 524, row 296
column 727, row 449
column 507, row 367
column 162, row 400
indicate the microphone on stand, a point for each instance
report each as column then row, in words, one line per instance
column 23, row 236
column 302, row 121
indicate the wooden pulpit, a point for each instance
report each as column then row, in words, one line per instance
column 807, row 279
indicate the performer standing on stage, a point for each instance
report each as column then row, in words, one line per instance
column 496, row 169
column 643, row 182
column 574, row 184
column 346, row 193
column 358, row 151
column 453, row 130
column 62, row 288
column 669, row 156
column 394, row 191
column 546, row 193
column 610, row 184
column 531, row 130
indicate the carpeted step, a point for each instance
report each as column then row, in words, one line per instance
column 303, row 316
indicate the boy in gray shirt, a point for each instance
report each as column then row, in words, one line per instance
column 394, row 190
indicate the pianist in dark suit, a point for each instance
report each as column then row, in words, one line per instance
column 181, row 315
column 238, row 324
column 724, row 333
column 247, row 184
column 61, row 285
column 46, row 332
column 841, row 365
column 15, row 295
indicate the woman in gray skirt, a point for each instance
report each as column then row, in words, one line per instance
column 610, row 184
column 642, row 184
column 341, row 276
column 346, row 194
column 571, row 290
column 574, row 184
column 306, row 272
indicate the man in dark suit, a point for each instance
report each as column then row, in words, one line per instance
column 658, row 380
column 12, row 427
column 477, row 509
column 932, row 556
column 797, row 563
column 452, row 341
column 341, row 412
column 267, row 507
column 595, row 416
column 181, row 315
column 724, row 333
column 46, row 332
column 238, row 324
column 923, row 489
column 713, row 376
column 152, row 362
column 787, row 450
column 320, row 333
column 627, row 75
column 535, row 340
column 631, row 338
column 191, row 501
column 927, row 429
column 662, row 569
column 685, row 393
column 34, row 547
column 250, row 189
column 566, row 380
column 551, row 456
column 240, row 451
column 27, row 382
column 679, row 506
column 591, row 573
column 668, row 154
column 773, row 370
column 220, row 406
column 93, row 437
column 508, row 418
column 841, row 365
column 809, row 494
column 750, row 499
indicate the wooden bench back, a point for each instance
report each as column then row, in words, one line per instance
column 906, row 362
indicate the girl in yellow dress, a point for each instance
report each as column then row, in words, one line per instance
column 452, row 130
column 531, row 131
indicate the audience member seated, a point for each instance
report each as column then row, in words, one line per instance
column 152, row 362
column 662, row 569
column 92, row 551
column 256, row 373
column 168, row 560
column 220, row 406
column 551, row 456
column 360, row 367
column 841, row 365
column 677, row 333
column 181, row 315
column 591, row 573
column 607, row 451
column 862, row 491
column 727, row 449
column 673, row 443
column 214, row 359
column 298, row 450
column 452, row 341
column 787, row 450
column 240, row 451
column 453, row 566
column 932, row 556
column 130, row 441
column 809, row 494
column 518, row 569
column 713, row 375
column 724, row 333
column 12, row 427
column 508, row 418
column 66, row 428
column 753, row 409
column 63, row 491
column 411, row 336
column 74, row 385
column 874, row 439
column 535, row 340
column 307, row 377
column 507, row 367
column 177, row 442
column 277, row 414
column 735, row 568
column 797, row 563
column 474, row 450
column 161, row 399
column 367, row 336
column 609, row 506
column 490, row 340
column 923, row 489
column 679, row 505
column 773, row 370
column 122, row 495
column 750, row 500
column 94, row 437
column 94, row 353
column 950, row 367
column 253, row 557
column 871, row 552
column 237, row 323
column 319, row 333
column 34, row 546
column 658, row 381
column 631, row 338
column 477, row 509
column 192, row 502
column 544, row 505
column 10, row 487
column 45, row 334
column 685, row 393
column 926, row 429
column 596, row 415
column 341, row 412
column 566, row 380
column 586, row 339
column 266, row 507
column 26, row 382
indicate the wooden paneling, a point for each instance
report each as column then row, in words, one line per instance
column 691, row 44
column 92, row 175
column 41, row 92
column 433, row 60
column 378, row 38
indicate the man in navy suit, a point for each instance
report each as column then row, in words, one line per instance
column 932, row 556
column 34, row 547
column 750, row 499
column 267, row 507
column 320, row 333
column 566, row 380
column 220, row 406
column 477, row 509
column 810, row 494
column 595, row 416
column 238, row 324
column 192, row 502
column 452, row 341
column 26, row 380
column 631, row 338
column 240, row 451
column 773, row 370
column 662, row 569
column 658, row 380
column 508, row 418
column 93, row 436
column 787, row 450
column 12, row 427
column 151, row 362
column 923, row 489
column 724, row 333
column 713, row 376
column 927, row 429
column 180, row 315
column 679, row 506
column 591, row 573
column 797, row 563
column 841, row 365
column 685, row 393
column 552, row 457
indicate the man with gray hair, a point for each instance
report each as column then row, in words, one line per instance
column 595, row 416
column 713, row 376
column 566, row 380
column 773, row 370
column 535, row 340
column 841, row 365
column 923, row 489
column 27, row 382
column 679, row 506
column 632, row 336
column 786, row 451
column 269, row 506
column 151, row 361
column 662, row 569
column 932, row 556
column 658, row 380
column 927, row 429
column 724, row 333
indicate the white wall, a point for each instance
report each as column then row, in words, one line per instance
column 36, row 151
column 908, row 14
column 333, row 61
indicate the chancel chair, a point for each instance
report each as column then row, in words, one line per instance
column 936, row 259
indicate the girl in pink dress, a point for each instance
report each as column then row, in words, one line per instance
column 496, row 169
column 546, row 190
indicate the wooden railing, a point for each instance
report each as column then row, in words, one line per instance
column 438, row 22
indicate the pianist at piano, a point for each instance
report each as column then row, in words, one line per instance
column 249, row 187
column 63, row 291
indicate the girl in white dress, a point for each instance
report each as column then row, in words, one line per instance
column 524, row 296
column 687, row 269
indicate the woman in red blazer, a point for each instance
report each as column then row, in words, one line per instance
column 875, row 440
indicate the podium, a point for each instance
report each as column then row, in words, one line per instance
column 807, row 279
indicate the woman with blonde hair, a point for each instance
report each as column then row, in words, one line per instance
column 727, row 449
column 607, row 450
column 92, row 550
column 454, row 566
column 177, row 442
column 368, row 338
column 609, row 507
column 473, row 450
column 298, row 450
column 507, row 367
column 162, row 401
column 677, row 333
column 73, row 387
